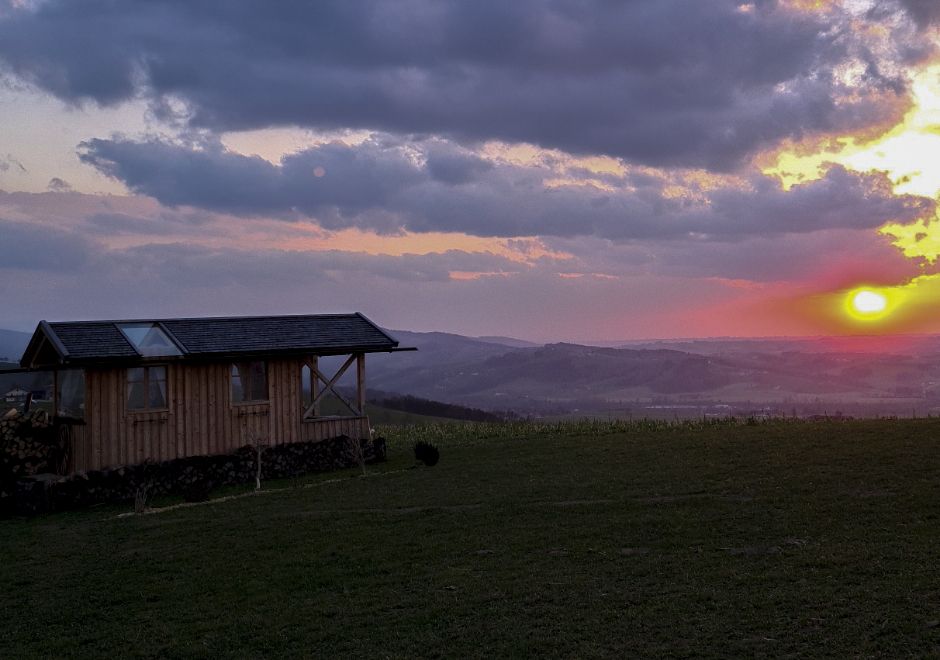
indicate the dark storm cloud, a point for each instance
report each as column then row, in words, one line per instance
column 319, row 180
column 453, row 168
column 662, row 82
column 385, row 187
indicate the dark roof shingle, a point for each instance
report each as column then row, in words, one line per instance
column 273, row 333
column 91, row 339
column 88, row 341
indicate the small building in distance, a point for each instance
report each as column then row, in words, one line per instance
column 15, row 396
column 158, row 389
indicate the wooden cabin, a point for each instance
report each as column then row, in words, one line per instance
column 159, row 389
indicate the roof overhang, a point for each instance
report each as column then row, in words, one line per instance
column 198, row 358
column 44, row 350
column 47, row 350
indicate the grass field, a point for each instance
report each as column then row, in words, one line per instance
column 584, row 540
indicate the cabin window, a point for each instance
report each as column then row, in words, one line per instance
column 146, row 388
column 70, row 394
column 249, row 382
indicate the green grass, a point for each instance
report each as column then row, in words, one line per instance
column 381, row 415
column 584, row 540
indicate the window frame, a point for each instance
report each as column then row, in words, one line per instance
column 234, row 372
column 59, row 381
column 146, row 385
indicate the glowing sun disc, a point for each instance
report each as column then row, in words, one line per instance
column 869, row 302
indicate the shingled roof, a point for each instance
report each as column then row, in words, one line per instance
column 89, row 342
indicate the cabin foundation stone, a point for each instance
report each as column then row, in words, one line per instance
column 46, row 493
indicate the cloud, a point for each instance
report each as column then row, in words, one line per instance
column 59, row 185
column 116, row 224
column 194, row 266
column 8, row 162
column 385, row 186
column 659, row 82
column 407, row 292
column 925, row 12
column 454, row 168
column 138, row 261
column 822, row 257
column 29, row 247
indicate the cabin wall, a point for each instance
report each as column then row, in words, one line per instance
column 200, row 419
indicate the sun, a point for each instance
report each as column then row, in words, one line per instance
column 869, row 302
column 866, row 304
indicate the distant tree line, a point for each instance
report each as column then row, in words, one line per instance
column 419, row 406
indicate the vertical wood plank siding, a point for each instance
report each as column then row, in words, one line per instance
column 200, row 417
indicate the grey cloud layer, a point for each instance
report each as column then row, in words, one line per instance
column 662, row 82
column 26, row 247
column 387, row 187
column 925, row 12
column 189, row 266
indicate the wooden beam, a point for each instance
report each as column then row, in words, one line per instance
column 361, row 382
column 314, row 385
column 328, row 387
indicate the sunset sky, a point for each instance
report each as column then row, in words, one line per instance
column 552, row 170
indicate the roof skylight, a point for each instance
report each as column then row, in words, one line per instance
column 149, row 340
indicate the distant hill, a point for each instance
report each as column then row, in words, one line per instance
column 564, row 377
column 890, row 344
column 34, row 381
column 12, row 344
column 418, row 406
column 435, row 345
column 508, row 341
column 558, row 374
column 441, row 358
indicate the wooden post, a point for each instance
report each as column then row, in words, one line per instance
column 361, row 382
column 315, row 385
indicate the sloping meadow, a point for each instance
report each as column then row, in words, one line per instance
column 776, row 538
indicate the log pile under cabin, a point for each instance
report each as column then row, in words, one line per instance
column 28, row 446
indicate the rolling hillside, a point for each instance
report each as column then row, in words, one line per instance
column 567, row 376
column 12, row 344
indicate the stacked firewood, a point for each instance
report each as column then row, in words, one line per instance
column 27, row 446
